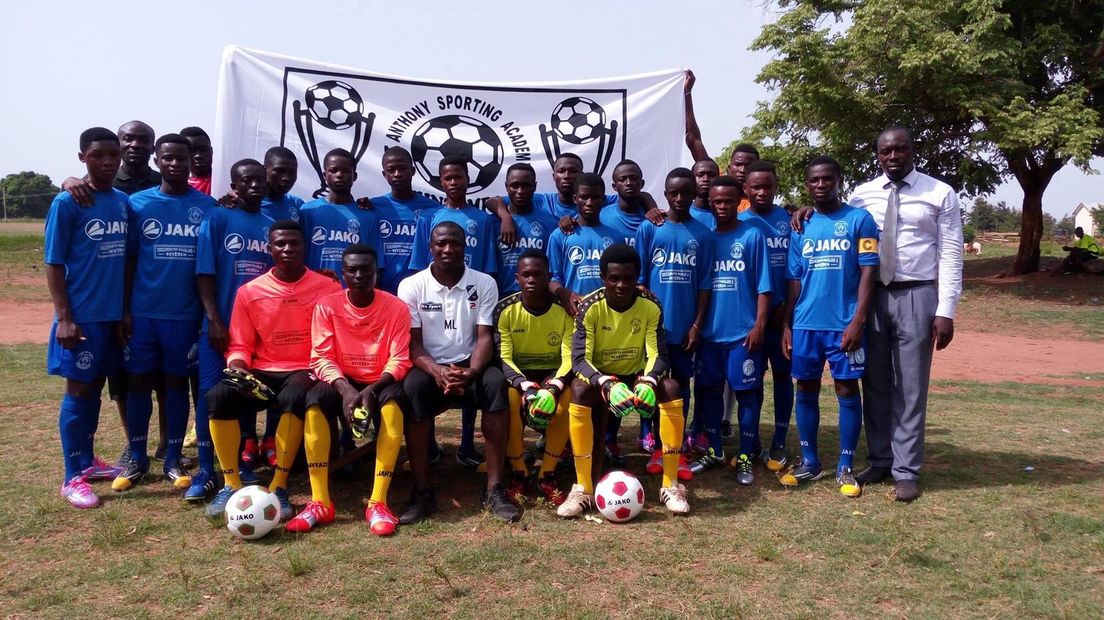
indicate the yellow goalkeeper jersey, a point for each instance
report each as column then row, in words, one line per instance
column 532, row 344
column 609, row 342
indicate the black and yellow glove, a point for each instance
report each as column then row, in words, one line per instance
column 245, row 383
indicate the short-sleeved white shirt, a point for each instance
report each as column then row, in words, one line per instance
column 448, row 316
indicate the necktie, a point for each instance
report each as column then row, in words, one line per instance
column 887, row 246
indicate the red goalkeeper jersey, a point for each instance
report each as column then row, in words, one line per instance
column 270, row 328
column 360, row 343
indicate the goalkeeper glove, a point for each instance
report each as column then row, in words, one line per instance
column 645, row 398
column 244, row 382
column 361, row 418
column 619, row 396
column 542, row 404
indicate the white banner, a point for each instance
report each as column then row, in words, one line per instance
column 266, row 100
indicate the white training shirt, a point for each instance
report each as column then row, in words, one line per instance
column 929, row 232
column 448, row 316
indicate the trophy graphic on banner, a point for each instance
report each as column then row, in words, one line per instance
column 578, row 120
column 336, row 106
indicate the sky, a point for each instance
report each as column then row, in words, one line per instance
column 68, row 65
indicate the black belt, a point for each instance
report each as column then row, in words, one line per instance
column 902, row 284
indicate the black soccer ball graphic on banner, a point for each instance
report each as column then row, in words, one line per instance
column 334, row 104
column 457, row 136
column 579, row 120
column 335, row 107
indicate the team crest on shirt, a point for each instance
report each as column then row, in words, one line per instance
column 554, row 339
column 152, row 229
column 536, row 230
column 749, row 368
column 692, row 247
column 841, row 229
column 659, row 257
column 353, row 227
column 783, row 227
column 736, row 251
column 85, row 359
column 472, row 227
column 195, row 215
column 634, row 326
column 606, row 242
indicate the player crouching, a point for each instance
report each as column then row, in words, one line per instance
column 533, row 333
column 619, row 341
column 361, row 355
column 268, row 357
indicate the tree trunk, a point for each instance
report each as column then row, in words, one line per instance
column 1033, row 172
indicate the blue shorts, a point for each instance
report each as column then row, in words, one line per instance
column 211, row 363
column 97, row 356
column 682, row 363
column 161, row 344
column 812, row 347
column 718, row 363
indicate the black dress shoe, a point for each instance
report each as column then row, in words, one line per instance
column 906, row 490
column 873, row 475
column 499, row 505
column 423, row 502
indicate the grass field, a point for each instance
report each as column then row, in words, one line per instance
column 1011, row 525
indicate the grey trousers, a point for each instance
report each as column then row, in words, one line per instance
column 895, row 385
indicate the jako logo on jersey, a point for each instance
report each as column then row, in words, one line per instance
column 195, row 215
column 235, row 243
column 523, row 243
column 732, row 264
column 85, row 359
column 661, row 257
column 96, row 229
column 737, row 250
column 151, row 229
column 841, row 229
column 385, row 228
column 811, row 246
column 774, row 243
column 405, row 229
column 576, row 255
column 319, row 236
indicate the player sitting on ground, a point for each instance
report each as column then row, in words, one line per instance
column 831, row 270
column 361, row 355
column 618, row 342
column 267, row 359
column 85, row 255
column 452, row 347
column 162, row 310
column 533, row 333
column 677, row 260
column 733, row 329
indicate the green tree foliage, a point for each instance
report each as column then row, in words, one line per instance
column 28, row 194
column 991, row 89
column 1098, row 220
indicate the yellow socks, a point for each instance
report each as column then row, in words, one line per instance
column 581, row 428
column 671, row 426
column 289, row 436
column 387, row 450
column 555, row 438
column 316, row 437
column 515, row 449
column 226, row 435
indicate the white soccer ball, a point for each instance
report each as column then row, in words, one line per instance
column 458, row 136
column 252, row 512
column 619, row 496
column 578, row 120
column 334, row 104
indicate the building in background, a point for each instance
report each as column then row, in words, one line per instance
column 1083, row 217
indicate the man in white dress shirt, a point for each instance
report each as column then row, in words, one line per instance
column 919, row 284
column 452, row 346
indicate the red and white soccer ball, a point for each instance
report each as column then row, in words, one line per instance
column 252, row 512
column 619, row 496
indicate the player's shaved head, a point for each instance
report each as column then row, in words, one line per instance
column 628, row 163
column 172, row 138
column 746, row 148
column 96, row 134
column 397, row 152
column 521, row 167
column 452, row 160
column 290, row 225
column 279, row 152
column 761, row 166
column 680, row 173
column 239, row 166
column 706, row 164
column 358, row 249
column 194, row 132
column 894, row 130
column 535, row 254
column 824, row 160
column 570, row 156
column 591, row 180
column 341, row 154
column 134, row 127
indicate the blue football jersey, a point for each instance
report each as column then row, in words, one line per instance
column 233, row 247
column 623, row 224
column 91, row 244
column 705, row 216
column 287, row 207
column 550, row 203
column 330, row 228
column 480, row 237
column 740, row 273
column 575, row 259
column 826, row 259
column 534, row 228
column 163, row 235
column 676, row 264
column 775, row 226
column 397, row 223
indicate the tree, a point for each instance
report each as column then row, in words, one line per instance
column 992, row 90
column 1098, row 220
column 28, row 194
